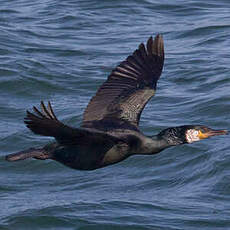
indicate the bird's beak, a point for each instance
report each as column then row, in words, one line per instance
column 211, row 133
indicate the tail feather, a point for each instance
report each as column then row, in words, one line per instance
column 29, row 153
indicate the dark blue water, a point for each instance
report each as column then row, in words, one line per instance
column 62, row 51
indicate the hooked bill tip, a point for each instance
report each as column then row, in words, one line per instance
column 218, row 132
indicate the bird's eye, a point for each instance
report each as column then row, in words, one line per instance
column 195, row 133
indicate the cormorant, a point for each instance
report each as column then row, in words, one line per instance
column 109, row 132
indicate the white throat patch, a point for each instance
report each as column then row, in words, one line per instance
column 192, row 135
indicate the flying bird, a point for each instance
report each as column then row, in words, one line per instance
column 110, row 130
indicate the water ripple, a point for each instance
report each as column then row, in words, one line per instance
column 62, row 52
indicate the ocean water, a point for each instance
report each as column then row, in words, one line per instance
column 62, row 51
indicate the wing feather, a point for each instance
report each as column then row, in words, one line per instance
column 128, row 88
column 46, row 123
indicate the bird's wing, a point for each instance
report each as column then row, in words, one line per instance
column 45, row 123
column 128, row 88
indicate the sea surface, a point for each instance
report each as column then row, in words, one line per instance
column 62, row 51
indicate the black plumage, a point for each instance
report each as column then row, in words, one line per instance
column 109, row 132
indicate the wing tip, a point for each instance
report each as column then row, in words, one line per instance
column 37, row 120
column 156, row 46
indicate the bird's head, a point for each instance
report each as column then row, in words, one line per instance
column 189, row 134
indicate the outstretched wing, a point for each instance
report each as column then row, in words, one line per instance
column 128, row 88
column 45, row 123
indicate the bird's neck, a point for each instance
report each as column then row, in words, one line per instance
column 159, row 143
column 152, row 145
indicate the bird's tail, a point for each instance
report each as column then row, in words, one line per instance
column 40, row 154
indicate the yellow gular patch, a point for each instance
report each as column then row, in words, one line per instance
column 202, row 135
